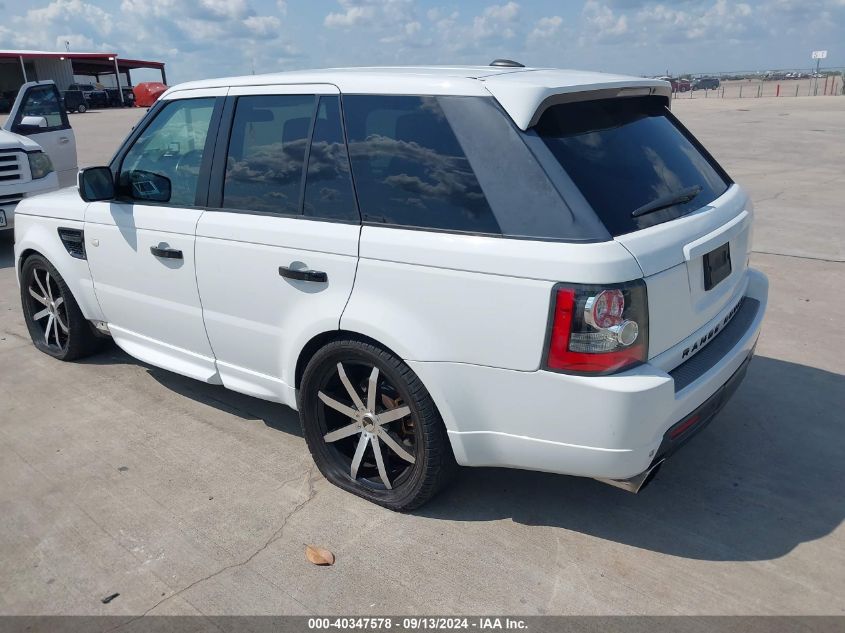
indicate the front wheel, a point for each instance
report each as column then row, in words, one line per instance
column 53, row 318
column 372, row 427
column 82, row 108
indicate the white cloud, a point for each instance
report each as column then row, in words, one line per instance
column 224, row 9
column 153, row 8
column 76, row 42
column 390, row 21
column 546, row 28
column 495, row 21
column 605, row 22
column 375, row 14
column 717, row 20
column 85, row 23
column 263, row 25
column 351, row 16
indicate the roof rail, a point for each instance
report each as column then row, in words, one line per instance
column 506, row 63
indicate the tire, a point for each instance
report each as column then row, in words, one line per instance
column 340, row 432
column 82, row 108
column 52, row 316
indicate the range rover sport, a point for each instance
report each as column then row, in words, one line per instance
column 487, row 266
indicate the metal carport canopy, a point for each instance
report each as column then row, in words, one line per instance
column 87, row 63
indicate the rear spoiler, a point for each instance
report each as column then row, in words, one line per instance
column 526, row 95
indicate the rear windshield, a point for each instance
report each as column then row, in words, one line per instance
column 627, row 155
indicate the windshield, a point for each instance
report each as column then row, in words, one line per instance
column 625, row 154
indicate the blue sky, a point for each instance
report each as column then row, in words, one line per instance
column 206, row 38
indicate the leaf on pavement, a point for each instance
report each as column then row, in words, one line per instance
column 319, row 555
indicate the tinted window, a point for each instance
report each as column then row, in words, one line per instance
column 623, row 154
column 164, row 162
column 328, row 184
column 409, row 168
column 267, row 152
column 43, row 101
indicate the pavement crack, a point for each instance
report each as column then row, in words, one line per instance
column 277, row 534
column 772, row 197
column 808, row 257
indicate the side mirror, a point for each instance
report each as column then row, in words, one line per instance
column 30, row 125
column 34, row 121
column 96, row 184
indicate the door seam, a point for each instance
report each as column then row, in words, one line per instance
column 199, row 298
column 354, row 277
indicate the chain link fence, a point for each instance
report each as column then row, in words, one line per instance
column 795, row 82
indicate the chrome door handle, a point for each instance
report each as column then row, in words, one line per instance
column 303, row 274
column 64, row 140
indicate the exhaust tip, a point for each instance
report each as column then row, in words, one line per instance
column 636, row 483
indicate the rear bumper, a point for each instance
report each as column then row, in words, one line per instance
column 684, row 430
column 612, row 427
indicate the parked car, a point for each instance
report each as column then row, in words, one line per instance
column 706, row 83
column 678, row 85
column 94, row 96
column 75, row 101
column 114, row 97
column 349, row 243
column 37, row 148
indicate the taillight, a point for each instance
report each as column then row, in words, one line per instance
column 598, row 329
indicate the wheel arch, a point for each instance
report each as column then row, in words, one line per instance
column 40, row 236
column 324, row 338
column 21, row 259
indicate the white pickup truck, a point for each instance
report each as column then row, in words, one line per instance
column 37, row 148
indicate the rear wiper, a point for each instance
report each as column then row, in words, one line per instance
column 669, row 200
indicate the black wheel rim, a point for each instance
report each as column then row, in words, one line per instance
column 369, row 430
column 47, row 310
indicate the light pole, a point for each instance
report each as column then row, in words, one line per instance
column 818, row 56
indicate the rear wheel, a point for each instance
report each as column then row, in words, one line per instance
column 53, row 318
column 82, row 108
column 372, row 427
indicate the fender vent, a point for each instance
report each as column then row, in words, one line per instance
column 74, row 241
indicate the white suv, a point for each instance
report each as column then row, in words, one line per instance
column 491, row 266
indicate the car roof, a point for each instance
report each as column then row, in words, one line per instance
column 523, row 92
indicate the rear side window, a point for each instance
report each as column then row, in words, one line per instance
column 409, row 167
column 328, row 183
column 266, row 153
column 625, row 155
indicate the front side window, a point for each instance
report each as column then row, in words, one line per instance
column 264, row 163
column 630, row 160
column 409, row 167
column 43, row 101
column 163, row 164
